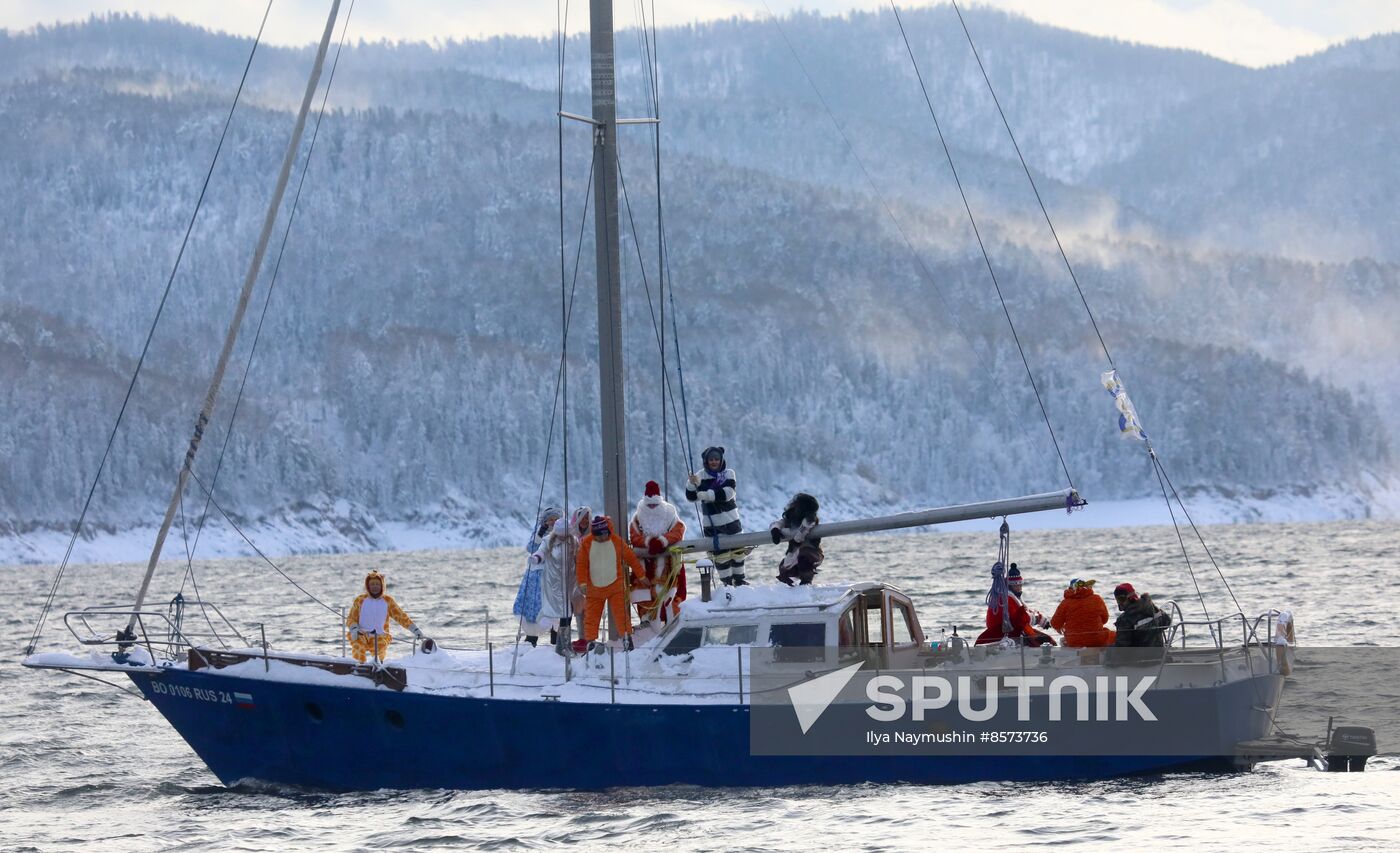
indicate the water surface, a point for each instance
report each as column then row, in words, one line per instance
column 88, row 767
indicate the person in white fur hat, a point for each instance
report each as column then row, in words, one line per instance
column 656, row 526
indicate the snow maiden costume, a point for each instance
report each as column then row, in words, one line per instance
column 529, row 598
column 557, row 586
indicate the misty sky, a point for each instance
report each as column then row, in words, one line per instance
column 1250, row 32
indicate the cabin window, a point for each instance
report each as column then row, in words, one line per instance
column 874, row 626
column 686, row 641
column 731, row 635
column 846, row 629
column 798, row 641
column 902, row 624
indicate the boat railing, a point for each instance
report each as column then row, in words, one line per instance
column 164, row 634
column 1222, row 634
column 1220, row 629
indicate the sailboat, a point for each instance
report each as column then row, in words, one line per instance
column 736, row 668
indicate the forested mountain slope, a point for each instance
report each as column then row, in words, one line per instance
column 1240, row 259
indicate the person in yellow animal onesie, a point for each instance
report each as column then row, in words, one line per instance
column 602, row 556
column 369, row 620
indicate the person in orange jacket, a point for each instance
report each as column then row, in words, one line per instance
column 603, row 559
column 1081, row 616
column 656, row 526
column 368, row 620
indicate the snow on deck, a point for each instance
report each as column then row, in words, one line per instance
column 766, row 597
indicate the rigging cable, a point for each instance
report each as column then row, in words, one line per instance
column 561, row 372
column 664, row 293
column 189, row 559
column 561, row 15
column 1156, row 460
column 1034, row 188
column 889, row 213
column 646, row 39
column 267, row 300
column 980, row 245
column 257, row 550
column 1163, row 471
column 664, row 277
column 145, row 348
column 656, row 329
column 1180, row 541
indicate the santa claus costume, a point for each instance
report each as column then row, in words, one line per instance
column 656, row 526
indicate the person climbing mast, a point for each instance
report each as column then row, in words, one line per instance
column 714, row 488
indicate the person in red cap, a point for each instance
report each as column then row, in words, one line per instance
column 603, row 561
column 1140, row 623
column 656, row 526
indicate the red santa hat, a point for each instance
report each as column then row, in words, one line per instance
column 652, row 489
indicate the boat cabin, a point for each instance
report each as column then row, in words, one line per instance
column 801, row 624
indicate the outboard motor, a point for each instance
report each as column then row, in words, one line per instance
column 1349, row 747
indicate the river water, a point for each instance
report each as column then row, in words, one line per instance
column 88, row 767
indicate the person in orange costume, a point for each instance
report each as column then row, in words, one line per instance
column 656, row 526
column 602, row 556
column 1081, row 616
column 369, row 617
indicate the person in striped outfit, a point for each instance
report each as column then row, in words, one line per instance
column 713, row 487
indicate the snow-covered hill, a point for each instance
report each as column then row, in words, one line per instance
column 1232, row 228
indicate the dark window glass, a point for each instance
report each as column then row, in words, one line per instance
column 798, row 641
column 686, row 641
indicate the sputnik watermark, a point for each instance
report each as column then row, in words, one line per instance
column 889, row 706
column 885, row 693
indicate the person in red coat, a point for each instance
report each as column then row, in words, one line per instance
column 656, row 526
column 1015, row 622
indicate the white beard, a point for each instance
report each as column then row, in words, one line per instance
column 656, row 516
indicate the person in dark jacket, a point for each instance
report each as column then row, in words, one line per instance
column 804, row 551
column 714, row 488
column 1140, row 623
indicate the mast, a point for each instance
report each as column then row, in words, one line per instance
column 605, row 217
column 231, row 337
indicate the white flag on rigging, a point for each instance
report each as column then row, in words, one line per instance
column 1128, row 424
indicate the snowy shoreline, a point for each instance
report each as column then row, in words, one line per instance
column 338, row 528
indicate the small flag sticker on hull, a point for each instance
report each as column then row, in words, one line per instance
column 243, row 700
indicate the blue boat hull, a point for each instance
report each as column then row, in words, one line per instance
column 317, row 736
